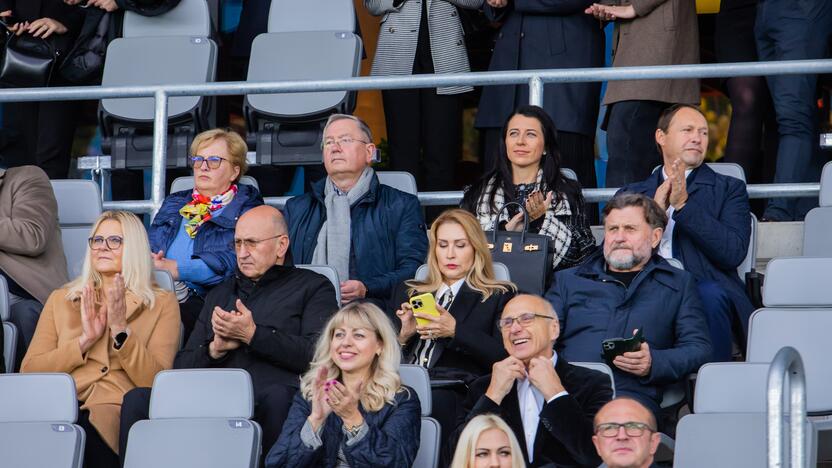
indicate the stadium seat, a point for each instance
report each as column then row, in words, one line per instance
column 312, row 15
column 171, row 48
column 416, row 377
column 569, row 173
column 79, row 206
column 731, row 387
column 825, row 197
column 164, row 280
column 198, row 417
column 721, row 440
column 37, row 416
column 330, row 273
column 187, row 183
column 399, row 180
column 798, row 282
column 9, row 346
column 500, row 272
column 4, row 299
column 749, row 263
column 816, row 228
column 600, row 367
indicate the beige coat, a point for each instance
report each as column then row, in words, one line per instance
column 31, row 252
column 664, row 32
column 103, row 375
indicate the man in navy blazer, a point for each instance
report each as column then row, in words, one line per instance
column 708, row 222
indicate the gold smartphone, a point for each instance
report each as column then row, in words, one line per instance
column 424, row 304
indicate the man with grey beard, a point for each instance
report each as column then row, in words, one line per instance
column 629, row 287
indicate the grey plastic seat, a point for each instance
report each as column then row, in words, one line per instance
column 399, row 180
column 37, row 416
column 750, row 260
column 79, row 206
column 798, row 282
column 569, row 173
column 600, row 367
column 9, row 346
column 816, row 228
column 731, row 387
column 416, row 377
column 721, row 440
column 675, row 262
column 330, row 273
column 188, row 18
column 187, row 183
column 500, row 272
column 311, row 15
column 729, row 169
column 198, row 417
column 825, row 197
column 5, row 304
column 164, row 279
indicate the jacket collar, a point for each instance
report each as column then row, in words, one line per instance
column 224, row 219
column 595, row 268
column 369, row 197
column 272, row 275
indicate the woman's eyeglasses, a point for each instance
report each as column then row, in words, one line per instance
column 112, row 242
column 214, row 162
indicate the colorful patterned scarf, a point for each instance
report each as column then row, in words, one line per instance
column 199, row 209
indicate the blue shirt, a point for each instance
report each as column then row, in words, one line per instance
column 193, row 271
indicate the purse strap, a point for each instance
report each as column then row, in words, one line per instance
column 525, row 222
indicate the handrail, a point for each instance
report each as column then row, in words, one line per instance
column 786, row 370
column 534, row 78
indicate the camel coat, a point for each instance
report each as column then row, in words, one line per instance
column 104, row 374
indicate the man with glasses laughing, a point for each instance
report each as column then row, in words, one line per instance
column 547, row 402
column 625, row 434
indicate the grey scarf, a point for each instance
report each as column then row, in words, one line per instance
column 334, row 240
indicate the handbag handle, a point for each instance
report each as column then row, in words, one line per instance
column 525, row 222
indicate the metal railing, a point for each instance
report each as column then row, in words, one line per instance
column 786, row 371
column 534, row 78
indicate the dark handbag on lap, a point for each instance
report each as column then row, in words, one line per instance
column 27, row 61
column 528, row 256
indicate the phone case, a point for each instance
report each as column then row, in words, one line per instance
column 424, row 304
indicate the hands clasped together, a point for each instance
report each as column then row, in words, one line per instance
column 536, row 207
column 443, row 326
column 231, row 329
column 331, row 396
column 97, row 315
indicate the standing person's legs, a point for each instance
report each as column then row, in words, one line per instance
column 749, row 100
column 441, row 127
column 97, row 454
column 56, row 130
column 135, row 407
column 401, row 112
column 271, row 407
column 491, row 141
column 577, row 152
column 631, row 141
column 24, row 314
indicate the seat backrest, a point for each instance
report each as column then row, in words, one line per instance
column 750, row 259
column 399, row 180
column 164, row 280
column 675, row 262
column 825, row 197
column 816, row 228
column 331, row 274
column 807, row 331
column 721, row 440
column 187, row 183
column 798, row 282
column 9, row 346
column 569, row 173
column 188, row 18
column 4, row 299
column 202, row 393
column 79, row 206
column 728, row 169
column 37, row 398
column 429, row 443
column 41, row 444
column 311, row 15
column 731, row 387
column 600, row 367
column 416, row 377
column 501, row 272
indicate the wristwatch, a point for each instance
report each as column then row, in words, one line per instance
column 119, row 339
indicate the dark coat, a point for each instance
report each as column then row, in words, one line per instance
column 392, row 440
column 290, row 307
column 478, row 343
column 388, row 234
column 712, row 231
column 662, row 301
column 541, row 34
column 212, row 243
column 564, row 435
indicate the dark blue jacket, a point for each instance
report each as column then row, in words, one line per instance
column 662, row 301
column 712, row 231
column 392, row 440
column 212, row 243
column 387, row 231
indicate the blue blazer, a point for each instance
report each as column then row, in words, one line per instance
column 392, row 440
column 212, row 243
column 712, row 231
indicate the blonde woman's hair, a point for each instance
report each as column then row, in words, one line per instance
column 384, row 382
column 466, row 447
column 481, row 276
column 237, row 147
column 136, row 264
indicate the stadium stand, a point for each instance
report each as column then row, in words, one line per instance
column 79, row 205
column 416, row 377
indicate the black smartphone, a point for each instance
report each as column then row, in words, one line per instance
column 613, row 347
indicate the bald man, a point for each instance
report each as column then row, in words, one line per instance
column 547, row 402
column 265, row 319
column 626, row 434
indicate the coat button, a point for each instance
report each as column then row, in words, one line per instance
column 104, row 369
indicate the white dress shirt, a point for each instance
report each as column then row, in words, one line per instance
column 666, row 245
column 531, row 404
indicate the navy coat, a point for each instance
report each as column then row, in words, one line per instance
column 387, row 231
column 544, row 34
column 392, row 440
column 212, row 243
column 662, row 301
column 712, row 231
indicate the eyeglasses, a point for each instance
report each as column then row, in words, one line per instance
column 250, row 244
column 632, row 429
column 112, row 242
column 214, row 162
column 523, row 319
column 330, row 143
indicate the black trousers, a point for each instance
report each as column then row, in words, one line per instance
column 97, row 454
column 41, row 134
column 631, row 141
column 189, row 313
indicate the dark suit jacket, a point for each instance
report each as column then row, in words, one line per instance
column 564, row 435
column 478, row 343
column 712, row 231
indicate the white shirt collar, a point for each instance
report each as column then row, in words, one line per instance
column 531, row 403
column 664, row 174
column 454, row 288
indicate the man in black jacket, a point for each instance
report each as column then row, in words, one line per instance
column 265, row 320
column 547, row 402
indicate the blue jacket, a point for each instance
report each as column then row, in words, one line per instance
column 712, row 231
column 391, row 442
column 662, row 301
column 387, row 232
column 212, row 243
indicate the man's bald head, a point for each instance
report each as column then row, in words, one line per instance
column 265, row 214
column 260, row 240
column 614, row 423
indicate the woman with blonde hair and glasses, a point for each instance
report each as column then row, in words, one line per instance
column 111, row 329
column 352, row 409
column 487, row 442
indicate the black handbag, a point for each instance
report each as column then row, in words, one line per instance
column 27, row 61
column 528, row 256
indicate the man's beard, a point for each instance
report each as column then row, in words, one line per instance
column 626, row 262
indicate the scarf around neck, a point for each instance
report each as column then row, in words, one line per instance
column 199, row 210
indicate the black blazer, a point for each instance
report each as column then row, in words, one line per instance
column 564, row 435
column 478, row 343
